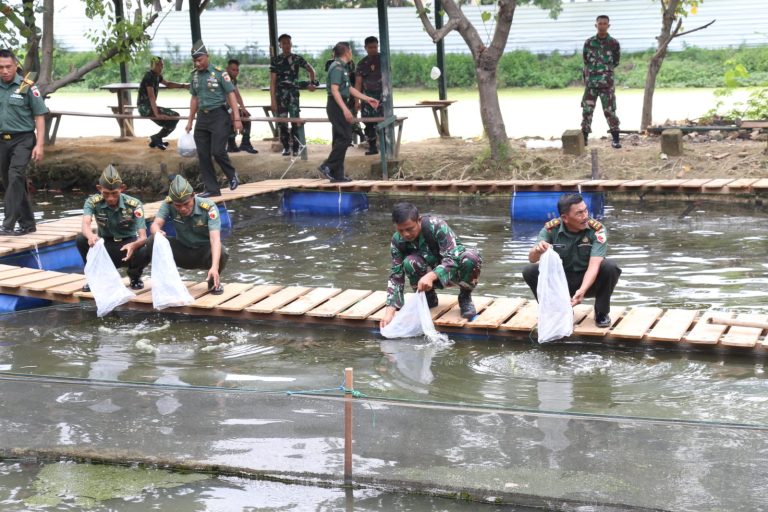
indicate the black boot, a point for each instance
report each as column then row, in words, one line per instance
column 466, row 307
column 431, row 298
column 586, row 138
column 372, row 148
column 615, row 144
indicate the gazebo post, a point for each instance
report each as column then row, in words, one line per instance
column 272, row 22
column 440, row 51
column 387, row 128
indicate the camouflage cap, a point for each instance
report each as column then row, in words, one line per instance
column 180, row 190
column 199, row 48
column 110, row 179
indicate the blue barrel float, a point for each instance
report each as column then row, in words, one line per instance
column 319, row 202
column 533, row 206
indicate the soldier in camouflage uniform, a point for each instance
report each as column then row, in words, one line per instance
column 197, row 244
column 368, row 80
column 148, row 106
column 581, row 243
column 284, row 89
column 601, row 56
column 427, row 251
column 120, row 221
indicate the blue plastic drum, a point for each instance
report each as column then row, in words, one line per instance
column 542, row 206
column 323, row 203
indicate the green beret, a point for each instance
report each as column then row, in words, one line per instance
column 180, row 190
column 198, row 49
column 110, row 179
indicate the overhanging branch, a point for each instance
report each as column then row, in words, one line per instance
column 694, row 30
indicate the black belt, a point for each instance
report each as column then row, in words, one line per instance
column 125, row 239
column 11, row 136
column 214, row 109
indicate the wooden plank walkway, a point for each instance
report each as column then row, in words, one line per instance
column 498, row 317
column 63, row 230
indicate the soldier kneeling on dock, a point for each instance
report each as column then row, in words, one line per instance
column 120, row 221
column 428, row 252
column 582, row 244
column 197, row 244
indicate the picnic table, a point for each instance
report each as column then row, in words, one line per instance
column 123, row 107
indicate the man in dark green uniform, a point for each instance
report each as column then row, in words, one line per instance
column 120, row 221
column 602, row 54
column 197, row 244
column 368, row 80
column 284, row 91
column 233, row 70
column 582, row 244
column 339, row 91
column 22, row 113
column 147, row 102
column 213, row 98
column 427, row 251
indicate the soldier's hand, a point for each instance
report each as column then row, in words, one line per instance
column 374, row 103
column 37, row 153
column 189, row 126
column 128, row 250
column 237, row 125
column 213, row 274
column 577, row 297
column 348, row 116
column 311, row 87
column 244, row 113
column 426, row 281
column 92, row 240
column 389, row 314
column 274, row 108
column 542, row 247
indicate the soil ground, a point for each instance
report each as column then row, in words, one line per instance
column 77, row 162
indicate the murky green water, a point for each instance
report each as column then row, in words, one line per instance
column 673, row 255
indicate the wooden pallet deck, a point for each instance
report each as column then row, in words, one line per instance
column 497, row 316
column 63, row 230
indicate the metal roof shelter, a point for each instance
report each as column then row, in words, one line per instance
column 387, row 127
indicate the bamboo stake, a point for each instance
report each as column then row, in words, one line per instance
column 348, row 386
column 734, row 322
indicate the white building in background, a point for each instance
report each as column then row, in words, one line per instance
column 634, row 22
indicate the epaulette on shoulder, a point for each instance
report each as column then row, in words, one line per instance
column 96, row 198
column 168, row 199
column 132, row 202
column 595, row 224
column 552, row 224
column 217, row 69
column 205, row 205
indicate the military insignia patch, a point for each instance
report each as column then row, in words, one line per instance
column 213, row 214
column 585, row 240
column 138, row 213
column 225, row 76
column 35, row 91
column 600, row 235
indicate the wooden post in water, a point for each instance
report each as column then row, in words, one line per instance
column 348, row 386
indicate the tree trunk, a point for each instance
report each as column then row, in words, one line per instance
column 32, row 58
column 46, row 64
column 654, row 66
column 490, row 112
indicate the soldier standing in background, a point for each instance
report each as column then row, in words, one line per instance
column 213, row 96
column 284, row 91
column 368, row 81
column 601, row 56
column 23, row 114
column 120, row 221
column 233, row 69
column 147, row 102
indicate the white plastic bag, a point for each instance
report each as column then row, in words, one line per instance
column 413, row 319
column 186, row 146
column 104, row 279
column 555, row 311
column 167, row 288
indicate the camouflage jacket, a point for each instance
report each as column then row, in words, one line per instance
column 437, row 244
column 601, row 56
column 287, row 67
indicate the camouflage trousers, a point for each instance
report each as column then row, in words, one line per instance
column 464, row 274
column 589, row 102
column 288, row 106
column 369, row 111
column 167, row 126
